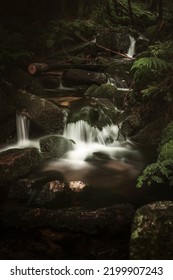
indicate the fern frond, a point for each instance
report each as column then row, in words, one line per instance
column 151, row 63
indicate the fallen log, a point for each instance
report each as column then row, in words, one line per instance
column 36, row 68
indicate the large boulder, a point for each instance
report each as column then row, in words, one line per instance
column 107, row 91
column 16, row 163
column 55, row 146
column 48, row 116
column 131, row 125
column 74, row 77
column 152, row 232
column 150, row 135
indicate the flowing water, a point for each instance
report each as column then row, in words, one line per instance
column 131, row 50
column 22, row 125
column 100, row 160
column 22, row 129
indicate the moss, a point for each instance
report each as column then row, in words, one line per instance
column 104, row 91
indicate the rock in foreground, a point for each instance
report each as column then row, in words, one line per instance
column 152, row 232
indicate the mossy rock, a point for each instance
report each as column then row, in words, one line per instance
column 104, row 91
column 107, row 91
column 54, row 146
column 130, row 125
column 152, row 232
column 91, row 90
column 16, row 163
column 46, row 115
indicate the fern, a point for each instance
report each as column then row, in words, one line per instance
column 166, row 151
column 157, row 172
column 151, row 63
column 167, row 134
column 162, row 49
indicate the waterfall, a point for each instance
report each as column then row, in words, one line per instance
column 81, row 131
column 22, row 125
column 131, row 50
column 90, row 141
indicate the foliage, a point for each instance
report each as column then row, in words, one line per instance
column 167, row 134
column 166, row 152
column 156, row 172
column 153, row 73
column 147, row 65
column 161, row 170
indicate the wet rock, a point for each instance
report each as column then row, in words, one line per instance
column 150, row 135
column 48, row 116
column 104, row 91
column 54, row 194
column 91, row 90
column 53, row 146
column 131, row 125
column 107, row 91
column 98, row 113
column 16, row 162
column 152, row 232
column 74, row 77
column 77, row 186
column 112, row 220
column 108, row 114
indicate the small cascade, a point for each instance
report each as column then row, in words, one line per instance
column 82, row 132
column 22, row 125
column 90, row 140
column 131, row 50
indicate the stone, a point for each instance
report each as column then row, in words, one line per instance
column 108, row 91
column 150, row 135
column 152, row 232
column 130, row 125
column 55, row 146
column 53, row 194
column 16, row 163
column 46, row 115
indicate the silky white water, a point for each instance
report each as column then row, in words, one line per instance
column 22, row 129
column 98, row 158
column 131, row 50
column 90, row 140
column 22, row 126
